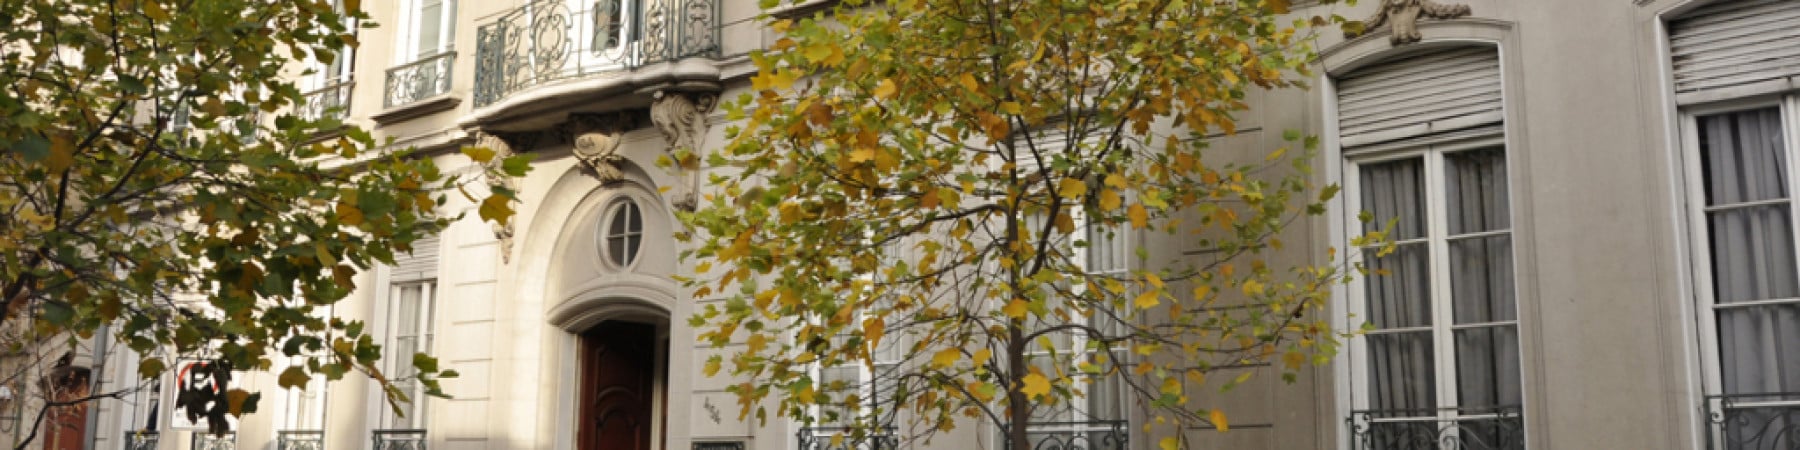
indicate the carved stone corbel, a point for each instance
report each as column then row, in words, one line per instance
column 596, row 144
column 681, row 117
column 498, row 178
column 1403, row 17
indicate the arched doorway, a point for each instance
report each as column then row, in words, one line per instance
column 622, row 381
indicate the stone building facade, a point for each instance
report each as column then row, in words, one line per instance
column 1593, row 201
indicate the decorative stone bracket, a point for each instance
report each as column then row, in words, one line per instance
column 596, row 143
column 496, row 177
column 1403, row 17
column 681, row 116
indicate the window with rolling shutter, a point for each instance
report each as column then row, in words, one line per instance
column 1425, row 161
column 421, row 264
column 1422, row 94
column 1735, row 48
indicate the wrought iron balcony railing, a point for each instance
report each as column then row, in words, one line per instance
column 208, row 441
column 301, row 440
column 419, row 80
column 547, row 40
column 1501, row 428
column 413, row 439
column 331, row 101
column 841, row 438
column 142, row 440
column 1753, row 421
column 1093, row 435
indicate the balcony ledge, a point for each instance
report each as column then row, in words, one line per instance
column 543, row 106
column 417, row 109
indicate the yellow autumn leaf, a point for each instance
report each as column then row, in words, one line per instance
column 1015, row 309
column 1218, row 420
column 873, row 329
column 1147, row 300
column 1140, row 218
column 480, row 154
column 1115, row 180
column 1170, row 443
column 1071, row 188
column 886, row 89
column 944, row 358
column 1109, row 199
column 1036, row 385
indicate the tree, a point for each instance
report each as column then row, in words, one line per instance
column 162, row 188
column 926, row 178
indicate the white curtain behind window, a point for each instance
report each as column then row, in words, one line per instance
column 1402, row 374
column 1752, row 250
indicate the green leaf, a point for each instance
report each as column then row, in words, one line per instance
column 57, row 312
column 293, row 377
column 517, row 165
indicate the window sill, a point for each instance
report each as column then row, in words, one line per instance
column 416, row 109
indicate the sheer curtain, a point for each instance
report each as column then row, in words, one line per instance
column 1402, row 374
column 1752, row 245
column 1481, row 280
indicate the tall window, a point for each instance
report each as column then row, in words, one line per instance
column 1097, row 413
column 409, row 324
column 1441, row 354
column 428, row 28
column 603, row 32
column 1748, row 282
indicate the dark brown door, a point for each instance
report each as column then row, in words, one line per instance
column 618, row 383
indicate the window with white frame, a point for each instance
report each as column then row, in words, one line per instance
column 1094, row 414
column 1738, row 123
column 410, row 313
column 1748, row 285
column 1425, row 164
column 427, row 29
column 1440, row 354
column 604, row 31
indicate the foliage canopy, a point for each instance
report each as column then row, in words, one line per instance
column 933, row 178
column 160, row 184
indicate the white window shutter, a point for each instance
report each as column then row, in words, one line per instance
column 1419, row 95
column 420, row 265
column 1746, row 47
column 431, row 27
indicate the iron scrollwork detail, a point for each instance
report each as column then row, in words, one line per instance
column 1495, row 429
column 821, row 438
column 1095, row 435
column 399, row 439
column 545, row 41
column 1753, row 421
column 419, row 80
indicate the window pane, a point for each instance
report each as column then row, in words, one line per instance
column 431, row 29
column 1759, row 348
column 1481, row 279
column 1741, row 154
column 1393, row 190
column 633, row 219
column 1753, row 253
column 406, row 322
column 1487, row 367
column 1402, row 374
column 1475, row 197
column 1399, row 287
column 1103, row 397
column 615, row 248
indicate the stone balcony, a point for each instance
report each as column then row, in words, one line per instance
column 537, row 64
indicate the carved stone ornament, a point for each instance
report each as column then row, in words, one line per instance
column 498, row 178
column 682, row 119
column 1403, row 17
column 596, row 144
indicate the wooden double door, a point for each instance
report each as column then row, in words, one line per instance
column 619, row 386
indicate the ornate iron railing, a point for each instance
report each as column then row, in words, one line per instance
column 419, row 80
column 331, row 101
column 1753, row 421
column 208, row 441
column 142, row 440
column 399, row 439
column 1501, row 428
column 546, row 40
column 828, row 438
column 1092, row 435
column 300, row 440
